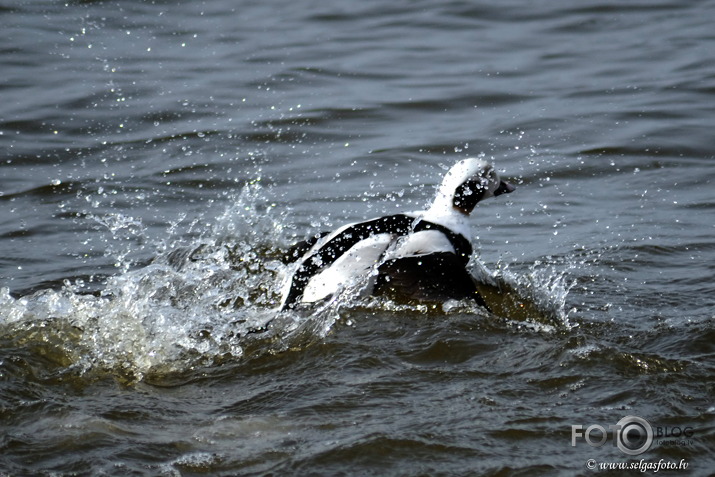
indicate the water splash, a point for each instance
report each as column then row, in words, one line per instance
column 127, row 234
column 193, row 305
column 536, row 297
column 215, row 298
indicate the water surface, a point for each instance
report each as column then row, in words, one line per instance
column 158, row 157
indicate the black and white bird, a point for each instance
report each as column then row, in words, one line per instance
column 418, row 256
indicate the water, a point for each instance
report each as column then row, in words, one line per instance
column 157, row 158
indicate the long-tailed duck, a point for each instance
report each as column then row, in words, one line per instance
column 416, row 256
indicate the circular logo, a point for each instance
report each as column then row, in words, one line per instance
column 634, row 435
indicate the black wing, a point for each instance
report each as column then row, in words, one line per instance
column 301, row 248
column 342, row 242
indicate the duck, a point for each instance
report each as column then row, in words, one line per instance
column 417, row 256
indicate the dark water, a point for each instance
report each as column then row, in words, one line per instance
column 157, row 157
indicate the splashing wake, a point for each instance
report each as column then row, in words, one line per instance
column 215, row 299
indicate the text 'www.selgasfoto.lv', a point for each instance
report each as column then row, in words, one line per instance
column 641, row 465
